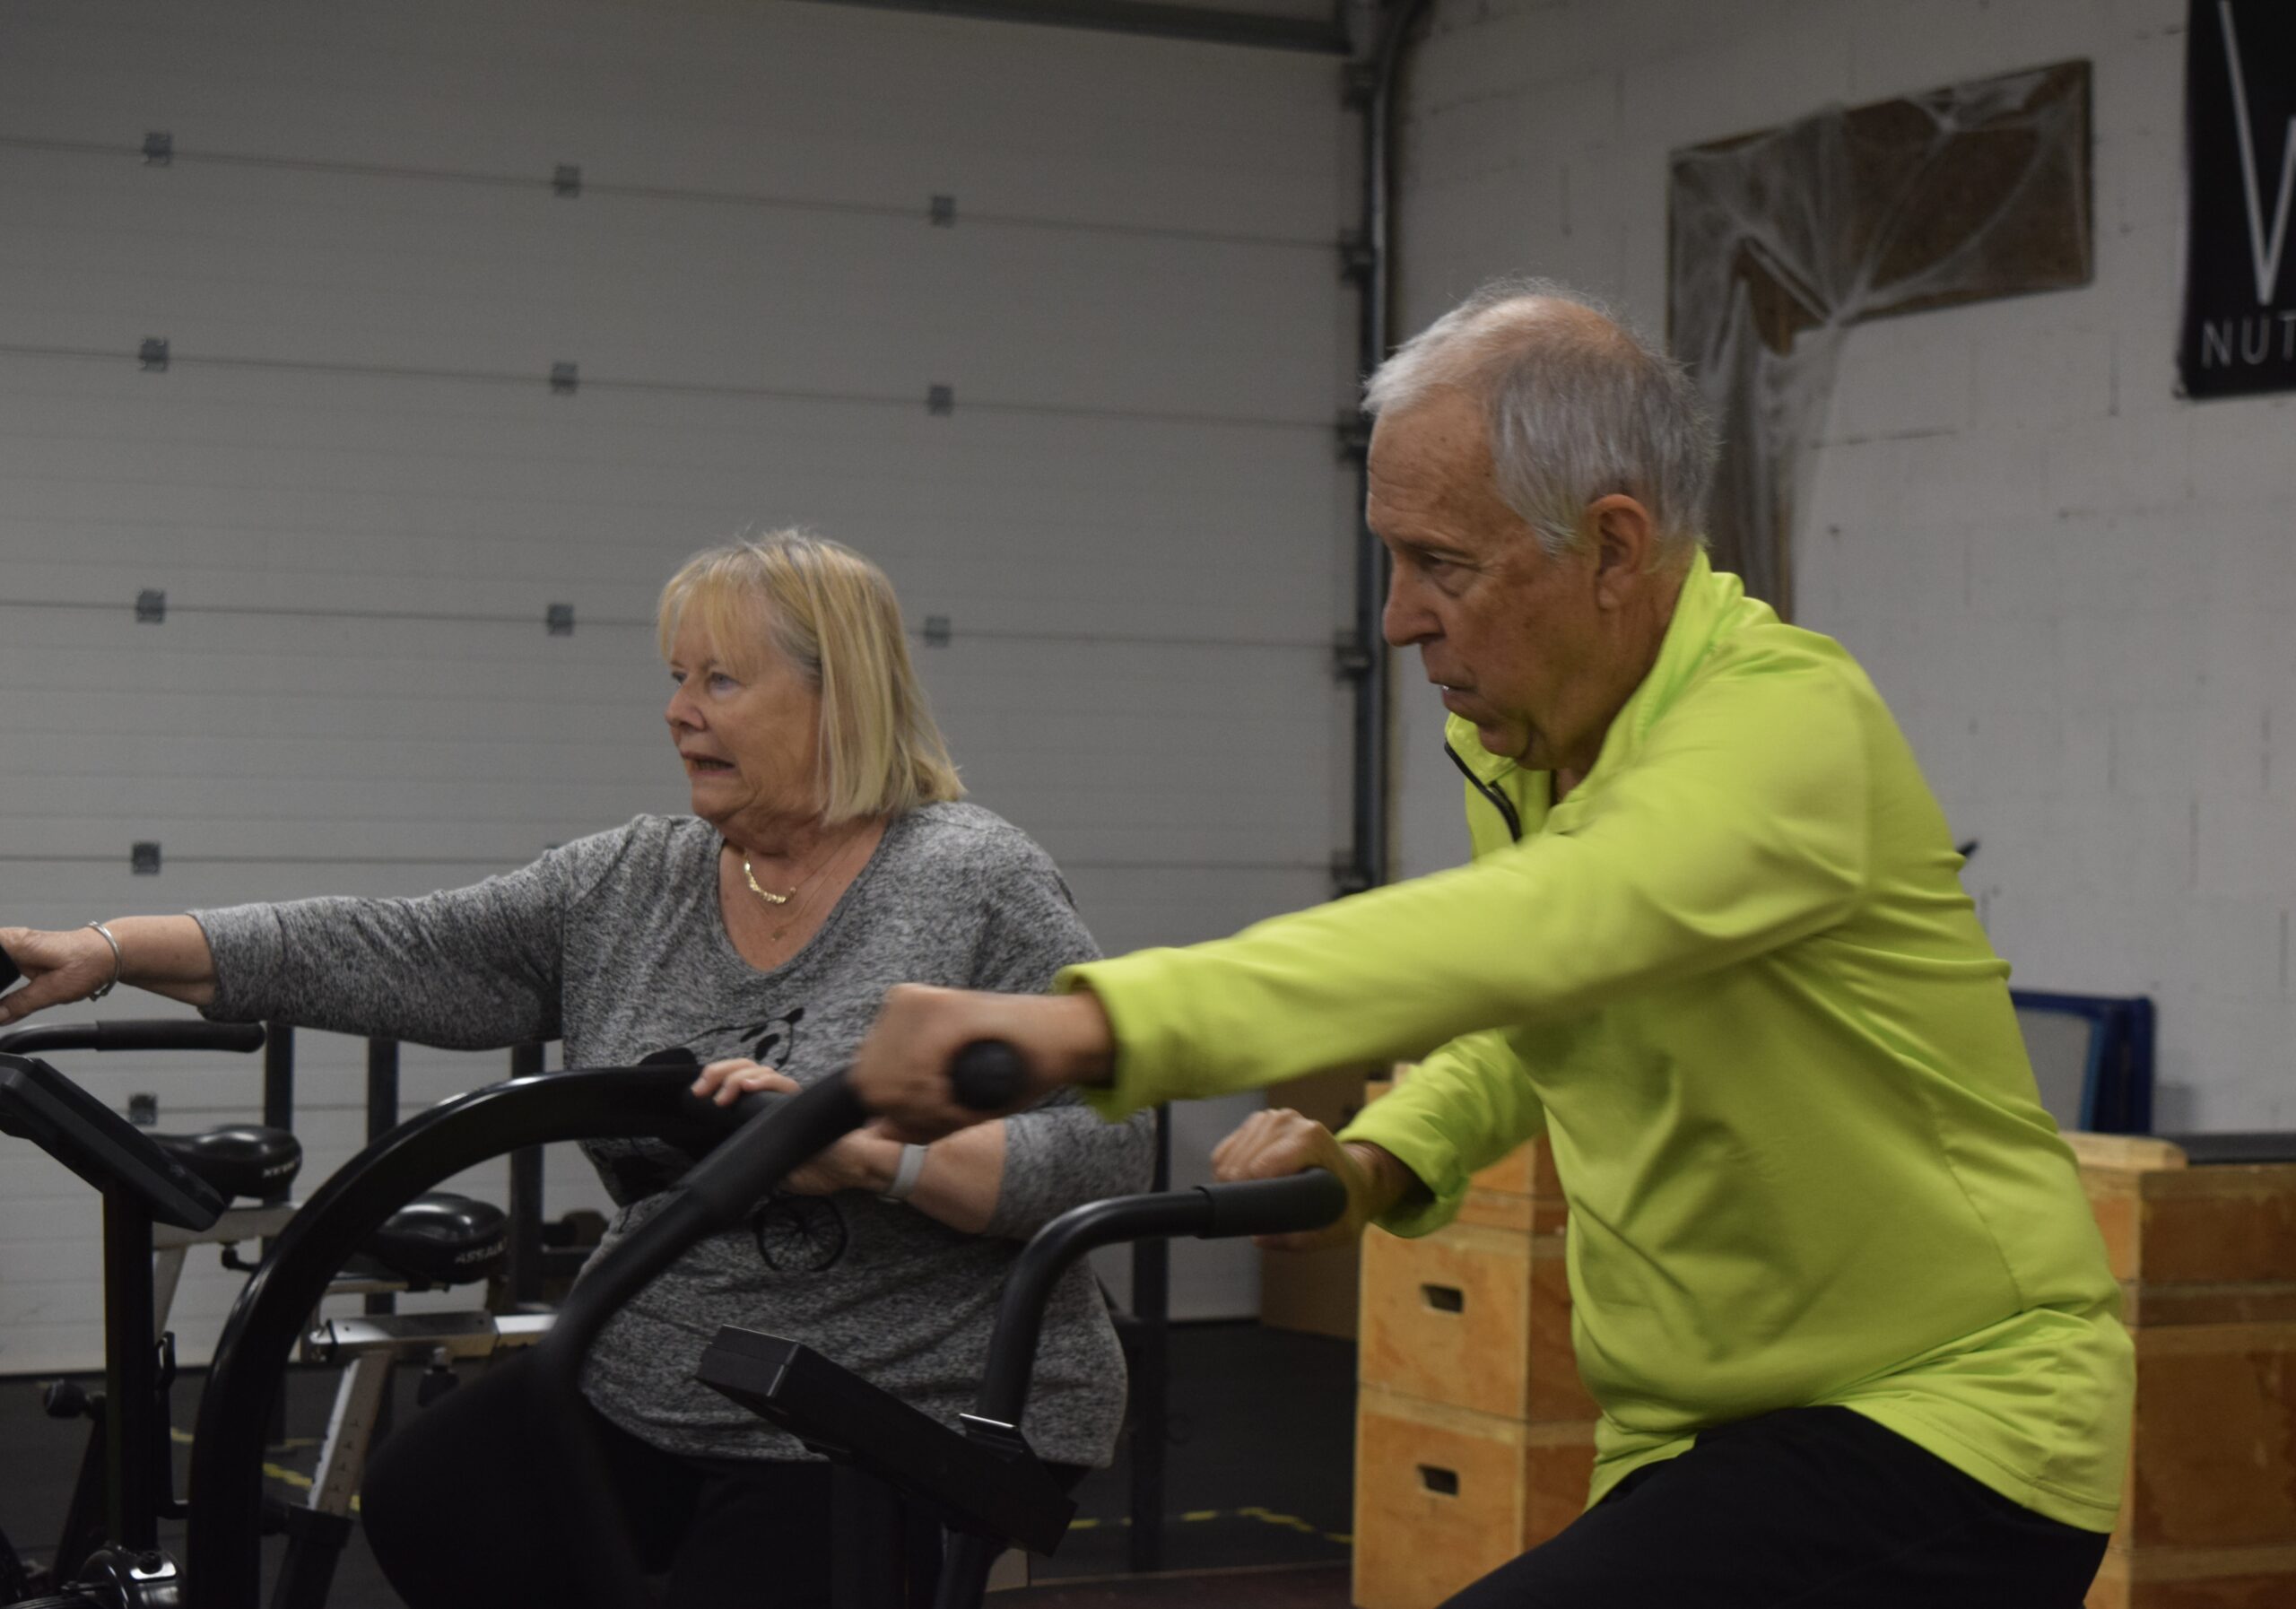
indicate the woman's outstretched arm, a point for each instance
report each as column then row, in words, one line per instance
column 168, row 955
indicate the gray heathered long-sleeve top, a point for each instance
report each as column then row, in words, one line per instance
column 615, row 944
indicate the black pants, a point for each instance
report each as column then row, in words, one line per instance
column 1808, row 1509
column 461, row 1510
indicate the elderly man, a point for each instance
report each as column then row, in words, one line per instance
column 1835, row 1288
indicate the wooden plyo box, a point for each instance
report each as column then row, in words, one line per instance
column 2207, row 1256
column 1444, row 1496
column 1476, row 1316
column 1475, row 1438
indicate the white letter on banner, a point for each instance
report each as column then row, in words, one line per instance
column 2266, row 253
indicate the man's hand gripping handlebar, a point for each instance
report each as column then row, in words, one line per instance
column 903, row 1070
column 904, row 1073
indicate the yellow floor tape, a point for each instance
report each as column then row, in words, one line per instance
column 1266, row 1516
column 272, row 1472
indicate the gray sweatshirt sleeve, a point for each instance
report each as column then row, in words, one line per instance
column 465, row 968
column 1061, row 1155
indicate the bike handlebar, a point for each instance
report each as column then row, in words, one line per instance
column 141, row 1034
column 1259, row 1206
column 987, row 1076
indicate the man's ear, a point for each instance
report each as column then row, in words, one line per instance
column 1625, row 540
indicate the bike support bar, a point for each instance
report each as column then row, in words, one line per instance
column 224, row 1561
column 1271, row 1206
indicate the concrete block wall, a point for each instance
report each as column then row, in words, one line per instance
column 2077, row 592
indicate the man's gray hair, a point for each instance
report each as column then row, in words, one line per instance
column 1578, row 407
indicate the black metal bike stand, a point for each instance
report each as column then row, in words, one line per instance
column 130, row 1376
column 1151, row 1263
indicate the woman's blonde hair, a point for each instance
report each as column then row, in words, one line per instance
column 833, row 613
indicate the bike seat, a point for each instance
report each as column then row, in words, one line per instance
column 437, row 1240
column 238, row 1159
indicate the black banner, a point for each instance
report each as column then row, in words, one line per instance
column 2239, row 325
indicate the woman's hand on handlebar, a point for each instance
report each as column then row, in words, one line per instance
column 860, row 1160
column 721, row 1083
column 58, row 968
column 901, row 1072
column 1278, row 1143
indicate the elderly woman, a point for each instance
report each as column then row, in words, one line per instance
column 827, row 858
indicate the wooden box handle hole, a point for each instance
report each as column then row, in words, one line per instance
column 1445, row 1299
column 1443, row 1482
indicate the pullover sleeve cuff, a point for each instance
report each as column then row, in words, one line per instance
column 1405, row 1136
column 1140, row 1075
column 250, row 951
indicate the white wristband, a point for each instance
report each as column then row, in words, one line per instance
column 912, row 1163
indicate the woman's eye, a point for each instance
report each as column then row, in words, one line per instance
column 719, row 682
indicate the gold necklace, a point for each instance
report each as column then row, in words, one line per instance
column 797, row 911
column 749, row 877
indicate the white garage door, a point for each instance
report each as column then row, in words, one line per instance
column 1047, row 322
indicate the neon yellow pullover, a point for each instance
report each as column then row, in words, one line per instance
column 1734, row 977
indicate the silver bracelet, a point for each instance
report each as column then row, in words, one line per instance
column 118, row 961
column 912, row 1163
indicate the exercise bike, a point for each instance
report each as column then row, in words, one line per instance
column 164, row 1194
column 1003, row 1499
column 984, row 1483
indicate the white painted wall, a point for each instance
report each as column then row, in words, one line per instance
column 2078, row 593
column 360, row 495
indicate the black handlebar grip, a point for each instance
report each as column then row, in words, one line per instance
column 1275, row 1207
column 161, row 1034
column 987, row 1076
column 150, row 1033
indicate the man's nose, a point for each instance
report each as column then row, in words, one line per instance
column 1406, row 620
